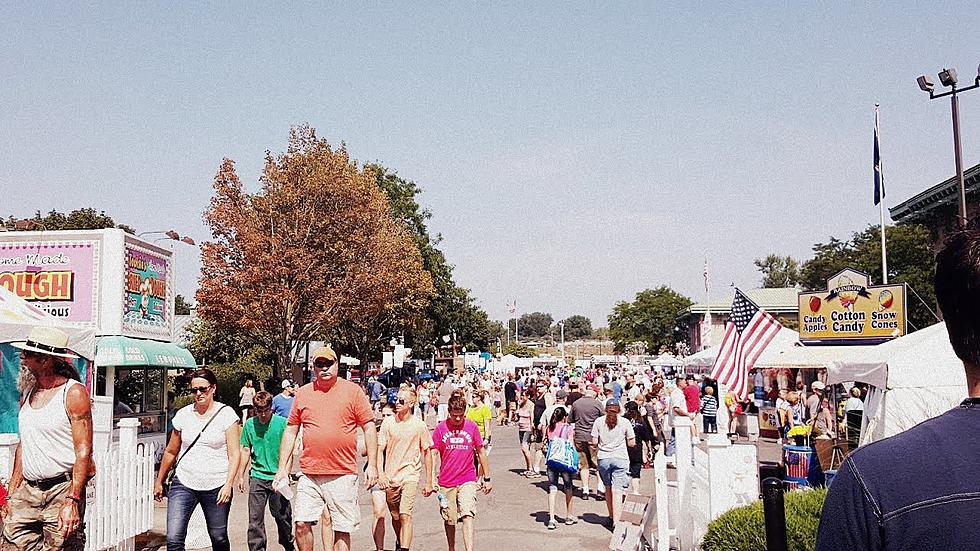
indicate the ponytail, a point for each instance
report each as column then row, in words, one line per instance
column 612, row 415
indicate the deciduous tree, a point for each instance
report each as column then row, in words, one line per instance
column 577, row 327
column 314, row 249
column 779, row 271
column 651, row 318
column 534, row 324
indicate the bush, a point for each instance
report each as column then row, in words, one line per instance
column 744, row 528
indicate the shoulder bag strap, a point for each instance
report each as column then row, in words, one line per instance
column 198, row 437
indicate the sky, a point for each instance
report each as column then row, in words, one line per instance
column 572, row 154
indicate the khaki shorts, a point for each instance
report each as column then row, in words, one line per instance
column 33, row 520
column 337, row 493
column 401, row 500
column 461, row 502
column 586, row 455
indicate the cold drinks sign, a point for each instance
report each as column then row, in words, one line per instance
column 57, row 277
column 852, row 310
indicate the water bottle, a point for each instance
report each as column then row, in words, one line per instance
column 443, row 504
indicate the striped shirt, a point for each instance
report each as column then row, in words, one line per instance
column 709, row 405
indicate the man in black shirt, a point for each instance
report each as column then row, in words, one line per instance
column 919, row 489
column 510, row 397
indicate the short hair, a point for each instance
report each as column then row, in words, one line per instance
column 206, row 374
column 261, row 399
column 957, row 284
column 457, row 401
column 856, row 392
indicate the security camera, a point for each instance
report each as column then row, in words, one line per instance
column 948, row 77
column 926, row 84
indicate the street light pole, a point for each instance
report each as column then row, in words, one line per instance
column 948, row 78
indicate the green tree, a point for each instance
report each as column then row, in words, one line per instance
column 534, row 324
column 577, row 327
column 910, row 260
column 651, row 318
column 452, row 309
column 519, row 350
column 79, row 219
column 779, row 271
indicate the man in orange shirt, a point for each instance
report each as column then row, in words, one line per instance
column 329, row 409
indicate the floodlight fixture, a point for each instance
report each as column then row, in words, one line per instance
column 948, row 77
column 925, row 83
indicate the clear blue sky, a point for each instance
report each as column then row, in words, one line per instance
column 571, row 155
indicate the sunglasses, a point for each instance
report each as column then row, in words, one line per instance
column 402, row 401
column 324, row 363
column 200, row 389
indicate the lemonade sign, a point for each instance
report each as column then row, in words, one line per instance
column 852, row 310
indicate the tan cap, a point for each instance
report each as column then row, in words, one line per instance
column 817, row 385
column 324, row 352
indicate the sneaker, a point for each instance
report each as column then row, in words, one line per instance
column 552, row 525
column 571, row 521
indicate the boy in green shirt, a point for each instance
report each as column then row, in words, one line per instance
column 260, row 443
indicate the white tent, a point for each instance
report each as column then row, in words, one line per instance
column 666, row 359
column 914, row 377
column 785, row 340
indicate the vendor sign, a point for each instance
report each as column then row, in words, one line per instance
column 145, row 309
column 58, row 277
column 852, row 310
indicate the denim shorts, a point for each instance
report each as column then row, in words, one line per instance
column 553, row 477
column 524, row 436
column 614, row 473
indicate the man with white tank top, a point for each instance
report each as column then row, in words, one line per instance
column 53, row 461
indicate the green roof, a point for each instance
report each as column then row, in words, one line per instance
column 938, row 196
column 778, row 300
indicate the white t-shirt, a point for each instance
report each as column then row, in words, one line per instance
column 612, row 442
column 676, row 399
column 205, row 467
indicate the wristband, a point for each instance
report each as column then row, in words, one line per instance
column 74, row 498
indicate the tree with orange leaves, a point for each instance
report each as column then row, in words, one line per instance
column 315, row 248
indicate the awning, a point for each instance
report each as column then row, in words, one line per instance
column 128, row 352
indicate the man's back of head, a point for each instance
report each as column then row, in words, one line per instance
column 958, row 292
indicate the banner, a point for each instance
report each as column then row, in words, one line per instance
column 852, row 310
column 145, row 295
column 58, row 277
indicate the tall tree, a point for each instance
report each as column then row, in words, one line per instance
column 779, row 271
column 314, row 249
column 650, row 318
column 452, row 310
column 534, row 324
column 577, row 327
column 910, row 260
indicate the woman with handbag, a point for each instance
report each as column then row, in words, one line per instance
column 560, row 433
column 202, row 457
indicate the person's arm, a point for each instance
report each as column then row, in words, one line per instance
column 17, row 476
column 382, row 445
column 233, row 436
column 167, row 462
column 80, row 417
column 371, row 442
column 429, row 460
column 286, row 447
column 486, row 428
column 245, row 460
column 484, row 468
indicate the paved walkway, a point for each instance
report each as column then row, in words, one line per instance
column 512, row 517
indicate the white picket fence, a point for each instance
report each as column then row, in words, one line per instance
column 119, row 500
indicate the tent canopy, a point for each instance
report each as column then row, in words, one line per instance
column 809, row 357
column 18, row 317
column 666, row 359
column 128, row 352
column 786, row 339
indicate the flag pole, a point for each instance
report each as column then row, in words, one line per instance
column 880, row 196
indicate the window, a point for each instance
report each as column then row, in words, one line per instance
column 139, row 392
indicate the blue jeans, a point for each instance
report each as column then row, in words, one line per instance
column 181, row 502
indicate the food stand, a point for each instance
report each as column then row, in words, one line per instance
column 121, row 288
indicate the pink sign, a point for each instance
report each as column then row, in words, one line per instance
column 57, row 277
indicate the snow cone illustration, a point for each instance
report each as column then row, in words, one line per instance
column 885, row 300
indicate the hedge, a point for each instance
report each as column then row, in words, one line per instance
column 744, row 528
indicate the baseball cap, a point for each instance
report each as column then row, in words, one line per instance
column 612, row 402
column 561, row 394
column 324, row 352
column 817, row 385
column 287, row 383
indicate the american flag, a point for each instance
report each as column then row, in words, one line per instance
column 748, row 331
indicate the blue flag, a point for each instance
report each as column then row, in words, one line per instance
column 879, row 182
